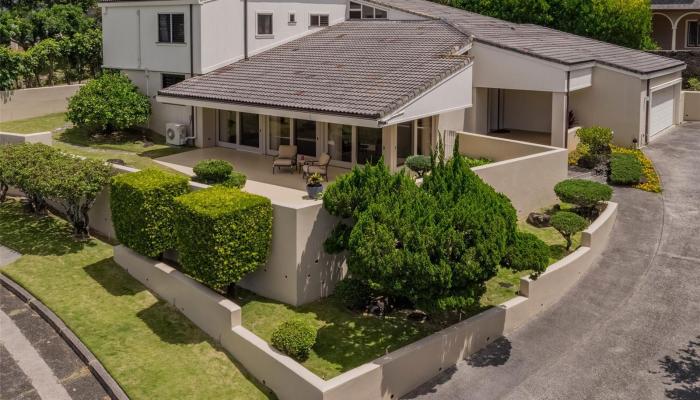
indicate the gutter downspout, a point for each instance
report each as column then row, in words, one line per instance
column 245, row 29
column 566, row 107
column 648, row 109
column 192, row 121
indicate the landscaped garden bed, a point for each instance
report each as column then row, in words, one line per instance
column 152, row 350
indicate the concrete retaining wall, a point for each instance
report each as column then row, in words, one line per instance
column 691, row 105
column 525, row 172
column 399, row 372
column 34, row 102
column 17, row 138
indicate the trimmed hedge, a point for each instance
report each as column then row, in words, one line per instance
column 583, row 193
column 527, row 252
column 597, row 139
column 568, row 224
column 295, row 338
column 222, row 234
column 235, row 180
column 212, row 171
column 625, row 169
column 419, row 164
column 143, row 209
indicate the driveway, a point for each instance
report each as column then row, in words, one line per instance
column 630, row 329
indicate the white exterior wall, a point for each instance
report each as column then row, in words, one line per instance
column 220, row 35
column 149, row 83
column 527, row 110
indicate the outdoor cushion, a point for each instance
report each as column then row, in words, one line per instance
column 324, row 159
column 287, row 151
column 282, row 162
column 313, row 169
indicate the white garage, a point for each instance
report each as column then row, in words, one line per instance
column 662, row 111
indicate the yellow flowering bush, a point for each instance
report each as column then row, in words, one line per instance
column 652, row 182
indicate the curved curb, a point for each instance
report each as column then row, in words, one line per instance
column 98, row 370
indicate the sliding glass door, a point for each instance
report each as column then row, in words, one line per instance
column 339, row 144
column 404, row 142
column 279, row 130
column 305, row 137
column 249, row 130
column 368, row 144
column 228, row 132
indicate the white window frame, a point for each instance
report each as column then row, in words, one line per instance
column 292, row 18
column 319, row 15
column 170, row 27
column 687, row 34
column 259, row 35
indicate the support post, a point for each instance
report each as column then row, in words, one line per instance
column 559, row 120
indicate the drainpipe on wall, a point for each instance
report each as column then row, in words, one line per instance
column 194, row 129
column 245, row 29
column 648, row 109
column 566, row 108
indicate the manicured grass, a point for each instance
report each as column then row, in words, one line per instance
column 556, row 242
column 136, row 149
column 44, row 123
column 348, row 339
column 151, row 349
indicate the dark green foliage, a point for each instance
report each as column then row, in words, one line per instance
column 353, row 192
column 295, row 338
column 110, row 102
column 597, row 139
column 583, row 193
column 625, row 169
column 338, row 240
column 419, row 164
column 31, row 168
column 355, row 294
column 212, row 171
column 626, row 23
column 527, row 252
column 235, row 180
column 568, row 224
column 222, row 234
column 143, row 209
column 433, row 245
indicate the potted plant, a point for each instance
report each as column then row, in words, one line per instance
column 314, row 186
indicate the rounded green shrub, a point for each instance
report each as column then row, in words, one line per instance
column 568, row 224
column 527, row 252
column 419, row 164
column 143, row 209
column 625, row 169
column 212, row 171
column 235, row 180
column 108, row 103
column 295, row 338
column 583, row 193
column 222, row 234
column 598, row 139
column 355, row 294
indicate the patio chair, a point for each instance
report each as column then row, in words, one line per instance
column 320, row 166
column 286, row 157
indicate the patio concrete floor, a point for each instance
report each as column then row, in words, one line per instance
column 257, row 167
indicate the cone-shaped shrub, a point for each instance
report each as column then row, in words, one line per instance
column 222, row 234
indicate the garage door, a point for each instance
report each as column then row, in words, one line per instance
column 661, row 110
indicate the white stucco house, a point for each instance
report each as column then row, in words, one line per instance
column 363, row 78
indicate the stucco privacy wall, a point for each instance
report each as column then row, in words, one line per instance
column 691, row 106
column 34, row 102
column 525, row 172
column 395, row 374
column 16, row 138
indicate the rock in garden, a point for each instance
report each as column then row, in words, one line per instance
column 539, row 220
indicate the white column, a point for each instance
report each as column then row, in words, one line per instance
column 673, row 37
column 559, row 120
column 389, row 146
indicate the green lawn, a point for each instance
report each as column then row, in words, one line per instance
column 32, row 125
column 151, row 349
column 556, row 242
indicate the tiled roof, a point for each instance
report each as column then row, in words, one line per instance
column 535, row 40
column 675, row 4
column 360, row 68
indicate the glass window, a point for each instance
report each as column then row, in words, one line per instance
column 279, row 132
column 305, row 137
column 250, row 129
column 355, row 14
column 264, row 24
column 340, row 142
column 404, row 142
column 367, row 12
column 369, row 144
column 171, row 28
column 424, row 132
column 379, row 13
column 693, row 33
column 292, row 18
column 318, row 20
column 227, row 126
column 171, row 79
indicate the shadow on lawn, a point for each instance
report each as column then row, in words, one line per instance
column 39, row 236
column 113, row 278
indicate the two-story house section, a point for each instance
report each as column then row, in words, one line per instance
column 158, row 43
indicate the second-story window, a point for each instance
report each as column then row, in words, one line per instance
column 292, row 18
column 171, row 79
column 318, row 20
column 264, row 24
column 171, row 28
column 363, row 11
